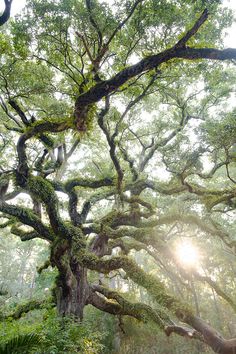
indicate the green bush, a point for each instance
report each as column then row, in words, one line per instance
column 65, row 335
column 54, row 334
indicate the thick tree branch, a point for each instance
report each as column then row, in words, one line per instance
column 156, row 289
column 89, row 183
column 6, row 13
column 19, row 111
column 201, row 331
column 5, row 108
column 102, row 89
column 212, row 337
column 184, row 332
column 25, row 216
column 21, row 309
column 138, row 310
column 152, row 284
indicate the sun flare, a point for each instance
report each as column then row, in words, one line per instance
column 187, row 254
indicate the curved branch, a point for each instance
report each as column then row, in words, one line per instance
column 213, row 338
column 152, row 284
column 25, row 216
column 102, row 89
column 24, row 235
column 25, row 308
column 112, row 143
column 19, row 111
column 158, row 292
column 140, row 311
column 6, row 13
column 217, row 289
column 89, row 183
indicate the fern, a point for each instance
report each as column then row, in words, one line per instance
column 21, row 344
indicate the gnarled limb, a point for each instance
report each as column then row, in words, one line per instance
column 201, row 330
column 25, row 216
column 154, row 286
column 21, row 309
column 104, row 88
column 124, row 307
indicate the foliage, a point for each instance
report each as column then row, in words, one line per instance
column 57, row 335
column 20, row 344
column 117, row 146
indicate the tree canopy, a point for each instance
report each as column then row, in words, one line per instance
column 118, row 131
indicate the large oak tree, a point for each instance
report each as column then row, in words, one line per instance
column 97, row 102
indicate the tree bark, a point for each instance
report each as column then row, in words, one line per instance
column 72, row 288
column 218, row 344
column 71, row 299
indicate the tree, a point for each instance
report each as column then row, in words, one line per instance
column 104, row 155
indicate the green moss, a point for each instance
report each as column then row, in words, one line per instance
column 53, row 125
column 8, row 223
column 152, row 284
column 21, row 213
column 42, row 190
column 29, row 306
column 92, row 111
column 210, row 200
column 110, row 217
column 84, row 118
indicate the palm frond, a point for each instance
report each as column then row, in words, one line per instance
column 22, row 343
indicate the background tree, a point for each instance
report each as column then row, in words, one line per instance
column 92, row 175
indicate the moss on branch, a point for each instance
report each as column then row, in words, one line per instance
column 86, row 183
column 27, row 217
column 24, row 235
column 152, row 284
column 138, row 310
column 23, row 308
column 42, row 190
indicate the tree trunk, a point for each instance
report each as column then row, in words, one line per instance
column 72, row 289
column 72, row 296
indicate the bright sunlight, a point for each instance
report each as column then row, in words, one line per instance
column 187, row 254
